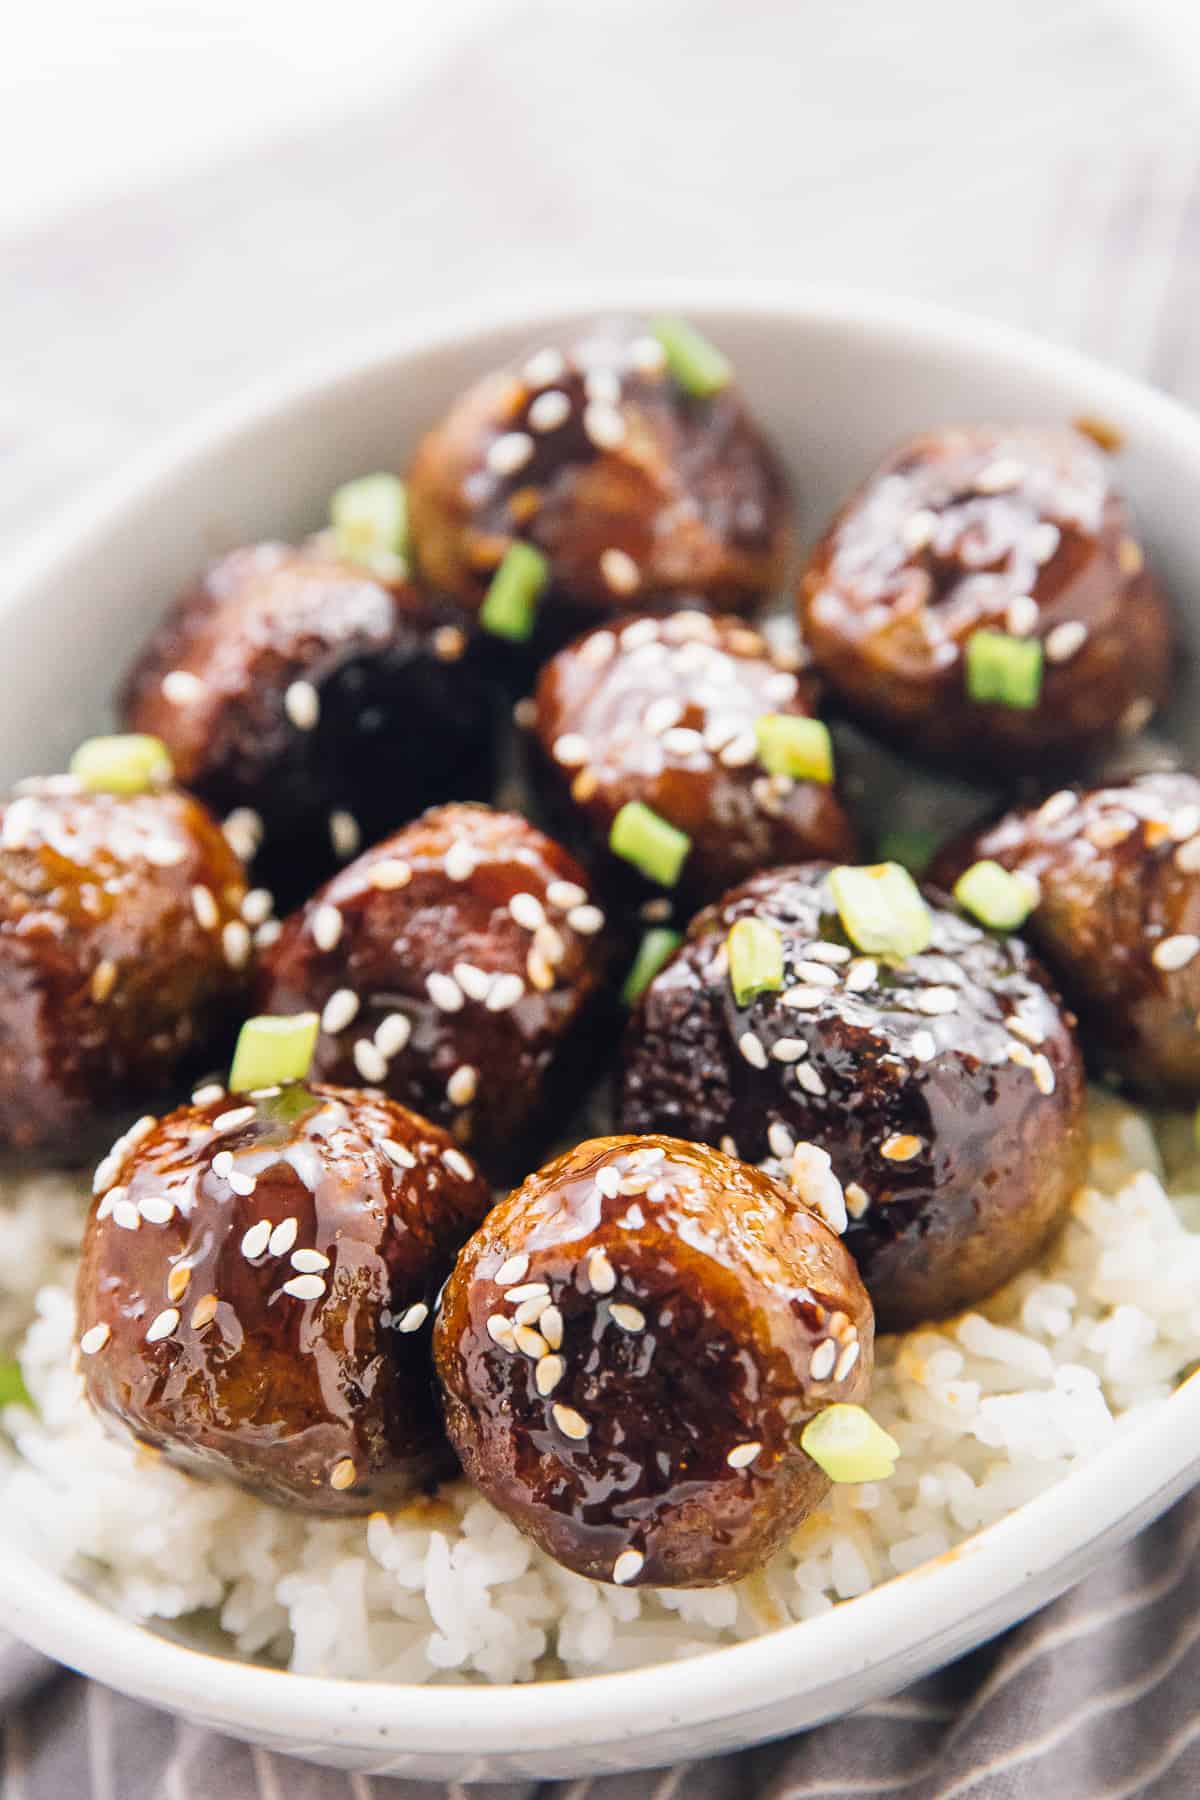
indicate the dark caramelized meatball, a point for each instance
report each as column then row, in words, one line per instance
column 450, row 964
column 946, row 1087
column 664, row 712
column 256, row 1282
column 320, row 705
column 629, row 1349
column 122, row 953
column 1014, row 530
column 635, row 491
column 1118, row 921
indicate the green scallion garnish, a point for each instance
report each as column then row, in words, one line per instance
column 755, row 959
column 847, row 1443
column 510, row 605
column 652, row 844
column 698, row 366
column 272, row 1050
column 656, row 949
column 13, row 1391
column 790, row 745
column 370, row 524
column 129, row 764
column 1004, row 670
column 995, row 896
column 881, row 909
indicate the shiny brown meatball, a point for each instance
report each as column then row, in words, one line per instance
column 1118, row 921
column 451, row 965
column 318, row 704
column 266, row 1321
column 634, row 490
column 947, row 1087
column 629, row 1349
column 122, row 954
column 664, row 712
column 1015, row 530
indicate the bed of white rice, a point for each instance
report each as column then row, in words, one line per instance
column 988, row 1410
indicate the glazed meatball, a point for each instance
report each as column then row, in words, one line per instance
column 633, row 489
column 257, row 1277
column 122, row 954
column 984, row 596
column 946, row 1086
column 318, row 705
column 1118, row 921
column 451, row 965
column 665, row 713
column 629, row 1349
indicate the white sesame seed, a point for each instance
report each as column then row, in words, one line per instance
column 397, row 1153
column 506, row 991
column 1043, row 1074
column 345, row 834
column 512, row 1270
column 549, row 411
column 608, row 1181
column 208, row 915
column 255, row 1241
column 924, row 1046
column 1130, row 560
column 500, row 1330
column 530, row 1310
column 597, row 650
column 788, row 1049
column 389, row 873
column 234, row 1119
column 628, row 1565
column 847, row 1360
column 1020, row 1054
column 459, row 862
column 157, row 1209
column 1065, row 640
column 647, row 356
column 444, row 991
column 529, row 1342
column 780, row 1139
column 283, row 1237
column 548, row 1373
column 586, row 920
column 179, row 1280
column 302, row 704
column 343, row 1474
column 392, row 1034
column 569, row 1422
column 258, row 906
column 414, row 1318
column 309, row 1262
column 340, row 1010
column 126, row 1215
column 681, row 740
column 1187, row 857
column 808, row 1078
column 543, row 367
column 304, row 1287
column 207, row 1095
column 164, row 852
column 539, row 971
column 825, row 1355
column 267, row 934
column 370, row 1061
column 222, row 1164
column 565, row 895
column 901, row 1146
column 603, row 425
column 661, row 714
column 811, row 1177
column 862, row 974
column 462, row 1085
column 857, row 1199
column 629, row 1318
column 138, row 1131
column 751, row 1048
column 104, row 980
column 639, row 634
column 1025, row 1028
column 998, row 476
column 527, row 910
column 204, row 1312
column 804, row 999
column 475, row 983
column 619, row 571
column 1056, row 808
column 243, row 831
column 550, row 1324
column 936, row 1000
column 1044, row 540
column 458, row 1165
column 180, row 687
column 918, row 529
column 95, row 1339
column 1021, row 615
column 817, row 974
column 1175, row 952
column 327, row 927
column 509, row 452
column 235, row 942
column 600, row 1273
column 163, row 1325
column 742, row 1455
column 741, row 751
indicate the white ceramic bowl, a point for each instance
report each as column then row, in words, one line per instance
column 835, row 378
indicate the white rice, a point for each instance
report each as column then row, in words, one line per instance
column 989, row 1410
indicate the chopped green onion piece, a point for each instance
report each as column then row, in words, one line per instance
column 788, row 745
column 273, row 1050
column 881, row 909
column 912, row 849
column 122, row 765
column 370, row 523
column 13, row 1391
column 996, row 897
column 655, row 949
column 509, row 607
column 1004, row 669
column 697, row 365
column 846, row 1442
column 755, row 959
column 652, row 844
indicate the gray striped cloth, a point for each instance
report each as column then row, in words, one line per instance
column 1038, row 163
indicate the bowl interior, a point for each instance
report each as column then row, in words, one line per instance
column 835, row 380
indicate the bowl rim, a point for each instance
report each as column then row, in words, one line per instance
column 1148, row 1464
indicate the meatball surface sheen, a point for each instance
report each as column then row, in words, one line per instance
column 663, row 711
column 1016, row 530
column 1118, row 921
column 636, row 492
column 122, row 953
column 629, row 1349
column 450, row 964
column 947, row 1088
column 317, row 703
column 267, row 1320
